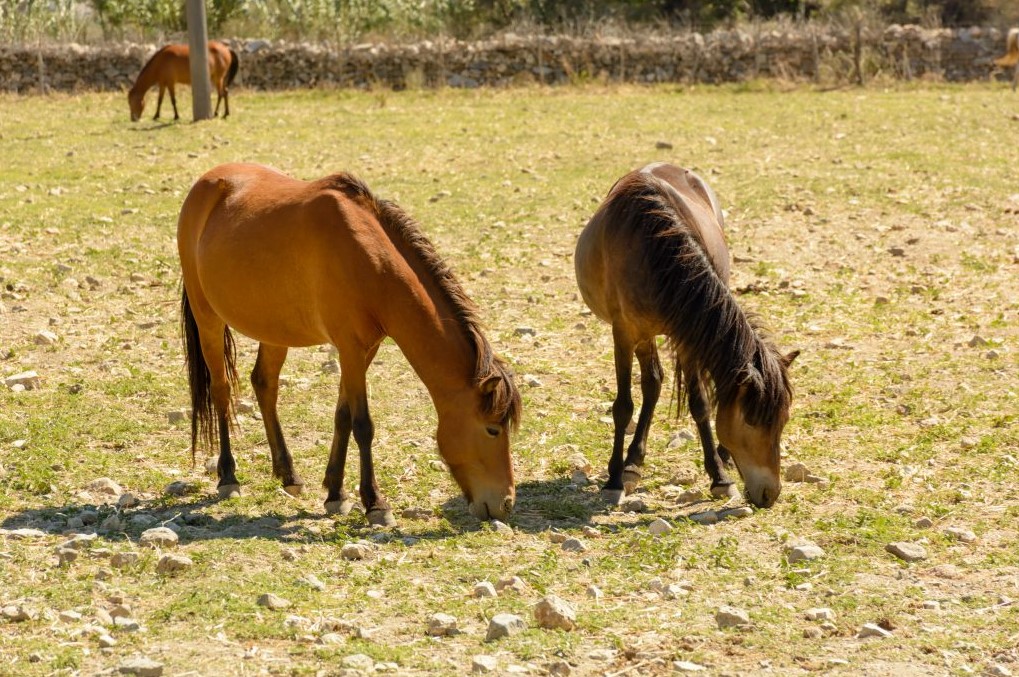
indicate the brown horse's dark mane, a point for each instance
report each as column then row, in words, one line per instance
column 146, row 67
column 500, row 397
column 705, row 323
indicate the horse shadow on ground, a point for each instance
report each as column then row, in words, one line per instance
column 542, row 506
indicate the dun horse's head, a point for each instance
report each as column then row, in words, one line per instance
column 474, row 440
column 750, row 425
column 137, row 102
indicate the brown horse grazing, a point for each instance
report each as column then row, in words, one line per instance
column 170, row 66
column 1011, row 58
column 295, row 263
column 653, row 260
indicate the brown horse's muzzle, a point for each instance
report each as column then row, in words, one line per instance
column 492, row 508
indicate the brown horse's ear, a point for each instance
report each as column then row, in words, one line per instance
column 489, row 385
column 788, row 358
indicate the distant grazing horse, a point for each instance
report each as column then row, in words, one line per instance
column 295, row 263
column 653, row 260
column 1011, row 58
column 170, row 66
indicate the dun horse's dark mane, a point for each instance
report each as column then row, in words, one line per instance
column 501, row 401
column 705, row 322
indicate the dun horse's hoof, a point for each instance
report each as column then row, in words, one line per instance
column 340, row 507
column 229, row 490
column 612, row 496
column 725, row 491
column 381, row 517
column 631, row 478
column 294, row 489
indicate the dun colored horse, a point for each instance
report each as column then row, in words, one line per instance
column 652, row 261
column 170, row 66
column 293, row 263
column 1011, row 58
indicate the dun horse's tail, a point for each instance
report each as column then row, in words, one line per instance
column 203, row 413
column 235, row 63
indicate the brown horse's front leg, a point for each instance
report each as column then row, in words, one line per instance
column 622, row 414
column 159, row 103
column 265, row 381
column 337, row 499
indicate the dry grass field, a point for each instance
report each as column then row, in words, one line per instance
column 876, row 230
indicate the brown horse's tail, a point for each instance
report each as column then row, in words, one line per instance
column 203, row 412
column 235, row 63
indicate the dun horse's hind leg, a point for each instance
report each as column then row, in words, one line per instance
column 212, row 350
column 721, row 485
column 650, row 388
column 265, row 379
column 622, row 414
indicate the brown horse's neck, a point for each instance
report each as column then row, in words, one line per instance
column 147, row 77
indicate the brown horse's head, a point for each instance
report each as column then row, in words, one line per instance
column 136, row 100
column 474, row 440
column 750, row 426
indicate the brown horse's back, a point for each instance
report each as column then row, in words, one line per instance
column 600, row 269
column 265, row 235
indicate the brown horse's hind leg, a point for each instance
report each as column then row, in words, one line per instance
column 650, row 389
column 173, row 100
column 721, row 484
column 622, row 414
column 265, row 379
column 215, row 357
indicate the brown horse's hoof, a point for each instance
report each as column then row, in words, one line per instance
column 381, row 517
column 613, row 496
column 294, row 489
column 631, row 478
column 229, row 490
column 728, row 491
column 340, row 507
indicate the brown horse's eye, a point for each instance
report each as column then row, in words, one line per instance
column 493, row 431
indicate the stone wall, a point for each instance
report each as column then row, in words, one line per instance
column 804, row 53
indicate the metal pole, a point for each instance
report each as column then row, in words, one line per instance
column 198, row 47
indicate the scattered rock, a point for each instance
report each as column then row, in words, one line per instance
column 802, row 552
column 659, row 527
column 313, row 582
column 532, row 381
column 354, row 551
column 141, row 666
column 796, row 472
column 17, row 613
column 66, row 555
column 159, row 537
column 504, row 625
column 633, row 504
column 960, row 534
column 559, row 668
column 178, row 415
column 910, row 552
column 359, row 661
column 663, row 145
column 511, row 583
column 171, row 564
column 820, row 614
column 923, row 523
column 873, row 630
column 441, row 625
column 733, row 513
column 45, row 338
column 594, row 592
column 524, row 331
column 29, row 380
column 813, row 633
column 105, row 641
column 997, row 670
column 484, row 589
column 483, row 664
column 730, row 617
column 574, row 545
column 417, row 513
column 127, row 500
column 705, row 517
column 70, row 616
column 79, row 542
column 104, row 485
column 931, row 604
column 553, row 613
column 273, row 602
column 180, row 488
column 500, row 527
column 687, row 666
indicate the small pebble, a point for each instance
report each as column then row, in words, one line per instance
column 729, row 617
column 873, row 630
column 960, row 534
column 910, row 552
column 484, row 589
column 159, row 537
column 354, row 551
column 796, row 472
column 441, row 625
column 820, row 614
column 803, row 552
column 504, row 625
column 172, row 564
column 659, row 527
column 923, row 523
column 574, row 545
column 141, row 666
column 554, row 613
column 274, row 602
column 511, row 583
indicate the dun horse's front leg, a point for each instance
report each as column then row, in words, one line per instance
column 622, row 414
column 650, row 389
column 721, row 485
column 265, row 379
